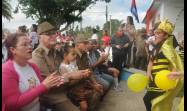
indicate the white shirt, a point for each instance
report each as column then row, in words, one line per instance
column 4, row 52
column 70, row 67
column 28, row 80
column 34, row 37
column 149, row 41
column 94, row 36
column 108, row 50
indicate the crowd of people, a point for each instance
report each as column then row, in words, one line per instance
column 46, row 70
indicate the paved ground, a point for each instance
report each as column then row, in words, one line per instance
column 122, row 101
column 126, row 100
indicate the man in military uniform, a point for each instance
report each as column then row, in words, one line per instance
column 83, row 63
column 48, row 60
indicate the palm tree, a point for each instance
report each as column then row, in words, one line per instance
column 6, row 9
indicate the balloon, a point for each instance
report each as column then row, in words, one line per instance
column 163, row 82
column 137, row 82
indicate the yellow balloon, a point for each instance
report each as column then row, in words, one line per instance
column 163, row 82
column 137, row 82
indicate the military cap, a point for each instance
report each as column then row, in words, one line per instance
column 81, row 39
column 45, row 27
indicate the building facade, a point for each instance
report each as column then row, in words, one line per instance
column 171, row 9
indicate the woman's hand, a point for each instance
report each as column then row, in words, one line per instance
column 53, row 80
column 149, row 76
column 175, row 75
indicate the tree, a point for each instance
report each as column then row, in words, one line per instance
column 87, row 32
column 6, row 9
column 97, row 28
column 57, row 12
column 114, row 26
column 77, row 29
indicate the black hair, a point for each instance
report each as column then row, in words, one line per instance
column 175, row 42
column 67, row 47
column 93, row 41
column 130, row 20
column 34, row 26
column 158, row 47
column 23, row 28
column 106, row 32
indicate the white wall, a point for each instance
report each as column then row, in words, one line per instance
column 170, row 9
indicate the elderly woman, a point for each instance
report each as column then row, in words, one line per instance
column 164, row 58
column 21, row 80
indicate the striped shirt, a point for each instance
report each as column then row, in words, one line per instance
column 181, row 54
column 159, row 64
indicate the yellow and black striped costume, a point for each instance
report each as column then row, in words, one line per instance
column 181, row 54
column 160, row 63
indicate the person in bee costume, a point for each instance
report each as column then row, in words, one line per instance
column 163, row 57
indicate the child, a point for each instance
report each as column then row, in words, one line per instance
column 83, row 91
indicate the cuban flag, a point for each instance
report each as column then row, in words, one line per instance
column 134, row 10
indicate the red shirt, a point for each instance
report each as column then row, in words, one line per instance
column 106, row 40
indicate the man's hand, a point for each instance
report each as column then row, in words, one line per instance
column 98, row 88
column 103, row 57
column 86, row 73
column 126, row 45
column 118, row 46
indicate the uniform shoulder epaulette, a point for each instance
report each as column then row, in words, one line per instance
column 39, row 50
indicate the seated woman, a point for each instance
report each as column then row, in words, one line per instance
column 21, row 80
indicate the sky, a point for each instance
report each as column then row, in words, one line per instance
column 94, row 14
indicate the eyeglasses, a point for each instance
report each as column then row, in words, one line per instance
column 25, row 45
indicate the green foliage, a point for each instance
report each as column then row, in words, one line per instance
column 6, row 9
column 97, row 28
column 88, row 31
column 57, row 12
column 114, row 26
